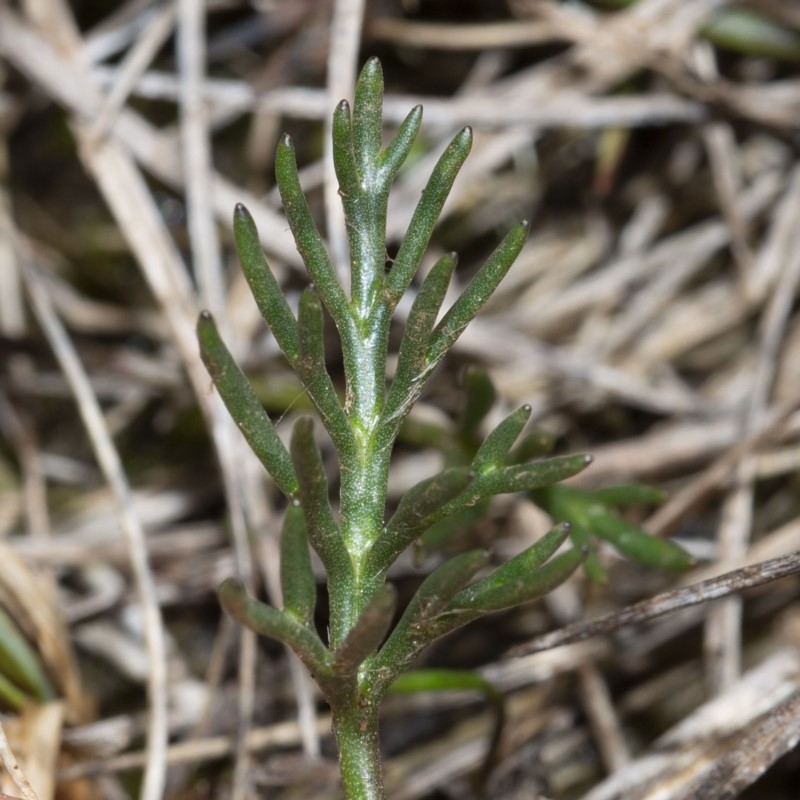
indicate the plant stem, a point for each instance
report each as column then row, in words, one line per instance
column 355, row 725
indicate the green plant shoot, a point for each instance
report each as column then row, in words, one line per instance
column 364, row 655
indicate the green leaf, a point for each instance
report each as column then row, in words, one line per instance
column 427, row 496
column 523, row 564
column 306, row 236
column 426, row 215
column 524, row 477
column 633, row 542
column 268, row 295
column 413, row 632
column 244, row 406
column 590, row 515
column 439, row 588
column 298, row 585
column 632, row 494
column 268, row 621
column 367, row 114
column 477, row 292
column 495, row 448
column 321, row 527
column 444, row 680
column 514, row 582
column 506, row 480
column 344, row 158
column 368, row 632
column 406, row 384
column 479, row 397
column 397, row 152
column 745, row 31
column 313, row 372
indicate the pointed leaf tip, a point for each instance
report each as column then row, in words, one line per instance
column 371, row 66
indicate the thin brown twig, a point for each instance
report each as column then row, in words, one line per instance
column 666, row 603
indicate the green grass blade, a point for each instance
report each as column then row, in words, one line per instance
column 745, row 31
column 11, row 695
column 20, row 664
column 244, row 406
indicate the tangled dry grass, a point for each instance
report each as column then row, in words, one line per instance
column 651, row 320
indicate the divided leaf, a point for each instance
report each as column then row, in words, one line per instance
column 268, row 621
column 344, row 157
column 535, row 444
column 413, row 632
column 514, row 583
